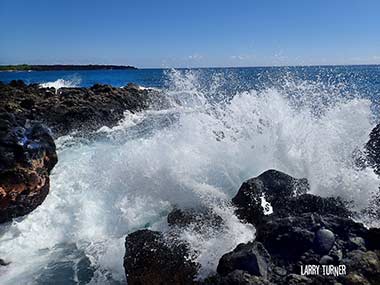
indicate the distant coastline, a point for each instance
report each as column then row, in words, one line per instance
column 60, row 67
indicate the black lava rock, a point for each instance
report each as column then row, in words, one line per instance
column 196, row 218
column 251, row 258
column 27, row 156
column 372, row 149
column 151, row 259
column 274, row 186
column 72, row 109
column 323, row 241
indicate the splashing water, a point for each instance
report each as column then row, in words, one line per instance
column 194, row 154
column 60, row 83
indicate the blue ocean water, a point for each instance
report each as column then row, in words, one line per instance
column 363, row 79
column 359, row 80
column 222, row 126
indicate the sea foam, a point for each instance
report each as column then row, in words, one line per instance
column 60, row 83
column 194, row 154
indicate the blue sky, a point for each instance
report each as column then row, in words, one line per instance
column 174, row 33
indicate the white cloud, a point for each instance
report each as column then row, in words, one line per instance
column 242, row 57
column 195, row 56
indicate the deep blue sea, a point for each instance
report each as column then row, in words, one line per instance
column 360, row 80
column 221, row 127
column 363, row 79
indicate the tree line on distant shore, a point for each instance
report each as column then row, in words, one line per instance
column 27, row 67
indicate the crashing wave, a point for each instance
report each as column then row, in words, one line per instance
column 196, row 153
column 60, row 83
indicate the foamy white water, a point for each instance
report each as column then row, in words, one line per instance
column 196, row 153
column 60, row 83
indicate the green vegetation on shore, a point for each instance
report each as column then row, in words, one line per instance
column 26, row 67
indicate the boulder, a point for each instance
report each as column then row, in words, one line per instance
column 274, row 187
column 288, row 238
column 323, row 241
column 151, row 258
column 251, row 258
column 27, row 156
column 286, row 195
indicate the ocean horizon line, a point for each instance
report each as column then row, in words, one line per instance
column 134, row 67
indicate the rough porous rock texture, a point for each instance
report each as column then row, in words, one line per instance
column 196, row 219
column 27, row 155
column 70, row 109
column 285, row 194
column 372, row 149
column 302, row 229
column 152, row 259
column 307, row 229
column 251, row 257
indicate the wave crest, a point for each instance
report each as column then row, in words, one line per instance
column 60, row 83
column 195, row 153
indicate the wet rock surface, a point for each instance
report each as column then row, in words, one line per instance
column 302, row 229
column 152, row 259
column 27, row 156
column 372, row 149
column 197, row 219
column 69, row 109
column 251, row 258
column 318, row 232
column 323, row 241
column 286, row 195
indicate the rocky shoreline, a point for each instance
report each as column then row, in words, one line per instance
column 72, row 109
column 298, row 234
column 32, row 116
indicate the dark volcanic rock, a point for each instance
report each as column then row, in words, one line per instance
column 150, row 259
column 303, row 229
column 365, row 264
column 69, row 109
column 273, row 186
column 286, row 237
column 373, row 149
column 373, row 239
column 251, row 258
column 196, row 218
column 323, row 241
column 240, row 277
column 27, row 155
column 286, row 195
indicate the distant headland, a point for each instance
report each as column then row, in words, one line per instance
column 59, row 67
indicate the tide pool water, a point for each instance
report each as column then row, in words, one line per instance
column 222, row 127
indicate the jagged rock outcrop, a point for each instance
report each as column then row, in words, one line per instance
column 27, row 156
column 285, row 196
column 372, row 149
column 152, row 259
column 301, row 229
column 252, row 258
column 305, row 229
column 69, row 109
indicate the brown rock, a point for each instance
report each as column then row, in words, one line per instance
column 27, row 155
